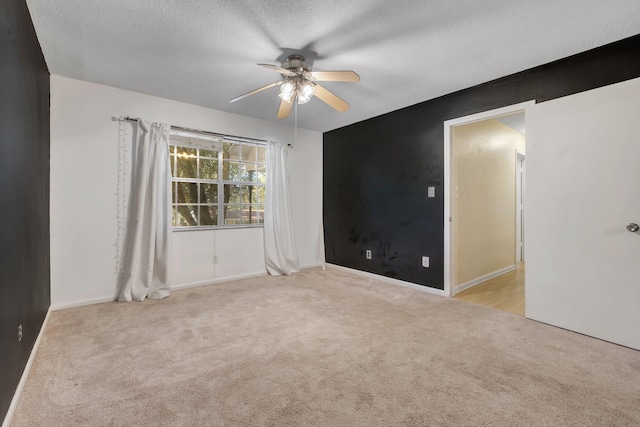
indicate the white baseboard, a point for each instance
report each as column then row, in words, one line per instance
column 25, row 373
column 220, row 280
column 481, row 279
column 390, row 280
column 307, row 266
column 80, row 303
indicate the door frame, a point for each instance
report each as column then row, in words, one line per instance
column 521, row 184
column 449, row 259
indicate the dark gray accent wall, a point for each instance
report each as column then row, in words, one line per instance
column 376, row 172
column 24, row 193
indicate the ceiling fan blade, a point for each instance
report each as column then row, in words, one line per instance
column 278, row 69
column 260, row 89
column 285, row 107
column 336, row 76
column 330, row 99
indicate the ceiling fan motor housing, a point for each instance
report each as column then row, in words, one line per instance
column 296, row 64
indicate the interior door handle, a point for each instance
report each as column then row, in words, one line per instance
column 633, row 227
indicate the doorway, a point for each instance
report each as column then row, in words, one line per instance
column 485, row 209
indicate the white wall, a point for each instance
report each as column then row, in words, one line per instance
column 85, row 181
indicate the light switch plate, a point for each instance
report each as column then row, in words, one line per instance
column 431, row 192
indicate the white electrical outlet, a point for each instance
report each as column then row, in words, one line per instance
column 431, row 192
column 425, row 261
column 368, row 253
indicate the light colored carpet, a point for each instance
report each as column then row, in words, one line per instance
column 321, row 348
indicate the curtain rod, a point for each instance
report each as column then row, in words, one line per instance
column 135, row 119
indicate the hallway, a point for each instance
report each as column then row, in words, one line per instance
column 505, row 292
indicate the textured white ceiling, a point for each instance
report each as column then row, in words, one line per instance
column 406, row 51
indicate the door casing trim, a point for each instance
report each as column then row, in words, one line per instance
column 449, row 270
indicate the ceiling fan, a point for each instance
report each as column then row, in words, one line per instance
column 299, row 84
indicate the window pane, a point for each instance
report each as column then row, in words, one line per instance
column 262, row 154
column 186, row 216
column 245, row 194
column 257, row 214
column 187, row 192
column 186, row 152
column 230, row 171
column 251, row 196
column 252, row 172
column 249, row 153
column 246, row 214
column 172, row 161
column 208, row 215
column 242, row 172
column 262, row 173
column 209, row 193
column 186, row 167
column 232, row 215
column 232, row 194
column 208, row 169
column 231, row 151
column 209, row 153
column 257, row 194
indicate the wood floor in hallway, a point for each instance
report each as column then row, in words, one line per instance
column 505, row 292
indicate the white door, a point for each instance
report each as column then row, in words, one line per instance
column 583, row 189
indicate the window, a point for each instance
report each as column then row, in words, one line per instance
column 216, row 181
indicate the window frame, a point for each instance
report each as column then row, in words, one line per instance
column 215, row 142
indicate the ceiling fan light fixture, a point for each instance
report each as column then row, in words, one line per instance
column 286, row 90
column 285, row 97
column 303, row 99
column 299, row 83
column 306, row 93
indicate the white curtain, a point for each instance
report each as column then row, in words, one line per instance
column 280, row 252
column 148, row 247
